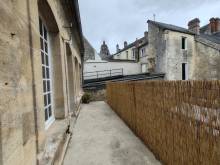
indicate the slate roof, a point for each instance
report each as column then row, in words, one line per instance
column 165, row 26
column 213, row 37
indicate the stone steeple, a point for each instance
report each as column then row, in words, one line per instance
column 104, row 52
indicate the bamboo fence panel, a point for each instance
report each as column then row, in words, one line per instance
column 178, row 120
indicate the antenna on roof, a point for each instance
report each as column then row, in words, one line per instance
column 154, row 15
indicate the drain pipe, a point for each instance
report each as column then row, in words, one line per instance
column 33, row 80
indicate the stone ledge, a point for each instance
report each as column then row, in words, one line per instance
column 55, row 137
column 57, row 140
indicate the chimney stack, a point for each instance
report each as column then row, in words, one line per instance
column 194, row 25
column 217, row 24
column 117, row 48
column 145, row 34
column 125, row 44
column 212, row 25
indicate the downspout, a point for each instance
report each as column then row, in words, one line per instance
column 33, row 80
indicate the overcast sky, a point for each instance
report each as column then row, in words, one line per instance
column 118, row 20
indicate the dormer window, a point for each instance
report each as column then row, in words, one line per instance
column 184, row 43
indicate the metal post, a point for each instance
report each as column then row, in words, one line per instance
column 110, row 73
column 97, row 73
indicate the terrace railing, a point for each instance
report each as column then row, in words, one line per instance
column 103, row 74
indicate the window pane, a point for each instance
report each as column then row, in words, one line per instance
column 183, row 43
column 48, row 85
column 41, row 44
column 47, row 62
column 45, row 33
column 50, row 111
column 46, row 114
column 40, row 27
column 45, row 46
column 43, row 72
column 49, row 98
column 45, row 86
column 48, row 73
column 42, row 57
column 183, row 71
column 45, row 100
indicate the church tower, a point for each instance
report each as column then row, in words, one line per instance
column 104, row 52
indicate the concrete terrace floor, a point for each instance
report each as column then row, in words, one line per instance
column 100, row 137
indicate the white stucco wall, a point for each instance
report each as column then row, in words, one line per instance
column 129, row 68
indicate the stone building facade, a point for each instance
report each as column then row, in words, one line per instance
column 133, row 51
column 41, row 49
column 128, row 52
column 184, row 54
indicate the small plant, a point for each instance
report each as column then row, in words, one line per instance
column 86, row 98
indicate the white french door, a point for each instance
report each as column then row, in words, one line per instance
column 46, row 74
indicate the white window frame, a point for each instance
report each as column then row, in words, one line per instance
column 46, row 74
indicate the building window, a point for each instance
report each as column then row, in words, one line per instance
column 184, row 71
column 127, row 55
column 133, row 53
column 184, row 43
column 142, row 52
column 46, row 70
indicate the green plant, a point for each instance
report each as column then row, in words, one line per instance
column 86, row 98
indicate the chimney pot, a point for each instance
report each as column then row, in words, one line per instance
column 194, row 25
column 125, row 44
column 212, row 25
column 117, row 48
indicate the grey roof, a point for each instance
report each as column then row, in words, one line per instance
column 213, row 37
column 165, row 26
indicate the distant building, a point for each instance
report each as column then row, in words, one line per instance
column 183, row 54
column 104, row 52
column 129, row 52
column 142, row 50
column 98, row 68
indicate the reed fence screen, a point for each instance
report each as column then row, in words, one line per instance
column 179, row 121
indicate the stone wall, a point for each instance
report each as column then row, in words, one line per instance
column 97, row 94
column 167, row 56
column 23, row 132
column 175, row 56
column 156, row 49
column 206, row 62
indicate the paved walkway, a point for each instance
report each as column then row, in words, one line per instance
column 101, row 138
